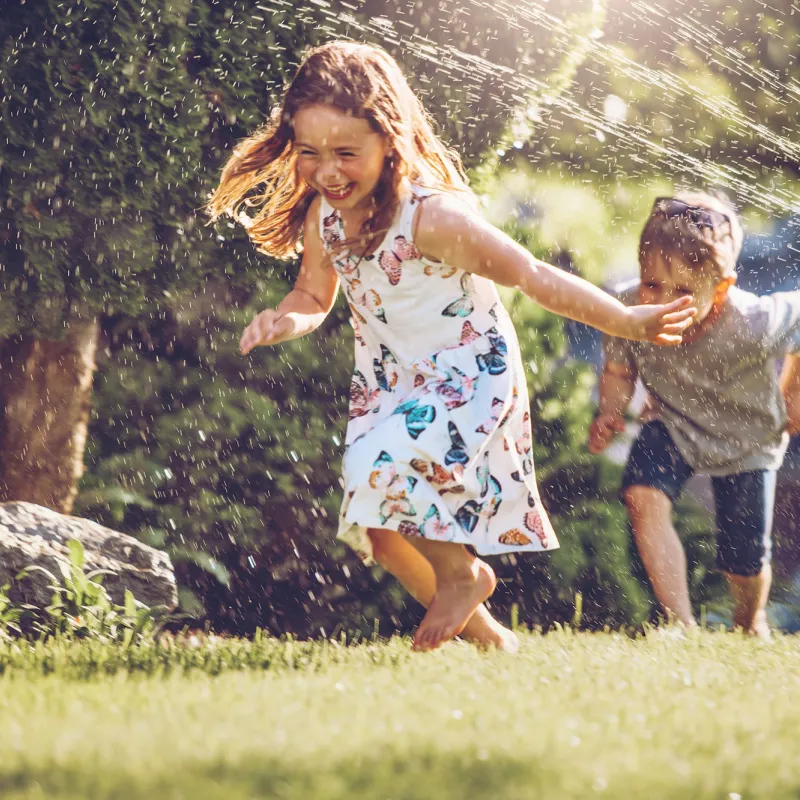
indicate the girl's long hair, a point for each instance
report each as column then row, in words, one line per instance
column 358, row 79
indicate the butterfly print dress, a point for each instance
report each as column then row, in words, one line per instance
column 439, row 436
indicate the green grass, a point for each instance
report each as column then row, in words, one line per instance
column 572, row 716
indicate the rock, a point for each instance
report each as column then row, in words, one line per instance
column 31, row 534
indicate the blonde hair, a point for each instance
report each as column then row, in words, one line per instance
column 694, row 242
column 358, row 79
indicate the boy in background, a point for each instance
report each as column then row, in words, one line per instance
column 716, row 405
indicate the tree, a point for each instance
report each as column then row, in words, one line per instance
column 107, row 125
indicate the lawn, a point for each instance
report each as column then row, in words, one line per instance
column 572, row 715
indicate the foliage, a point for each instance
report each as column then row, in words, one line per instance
column 697, row 96
column 10, row 613
column 571, row 716
column 81, row 607
column 136, row 106
column 128, row 127
column 115, row 120
column 233, row 458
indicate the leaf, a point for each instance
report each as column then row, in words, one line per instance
column 76, row 553
column 97, row 575
column 65, row 568
column 130, row 604
column 36, row 568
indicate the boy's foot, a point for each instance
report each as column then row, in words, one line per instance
column 760, row 627
column 452, row 606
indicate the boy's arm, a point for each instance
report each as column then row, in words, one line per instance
column 447, row 231
column 617, row 384
column 782, row 311
column 304, row 309
column 790, row 388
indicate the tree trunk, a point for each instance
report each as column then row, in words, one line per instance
column 45, row 393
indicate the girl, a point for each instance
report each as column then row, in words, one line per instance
column 438, row 451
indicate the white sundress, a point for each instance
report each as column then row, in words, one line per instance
column 438, row 441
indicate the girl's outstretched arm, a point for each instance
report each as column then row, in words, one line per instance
column 446, row 230
column 310, row 301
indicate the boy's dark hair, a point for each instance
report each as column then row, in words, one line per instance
column 698, row 228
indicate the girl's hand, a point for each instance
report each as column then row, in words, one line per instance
column 603, row 430
column 268, row 327
column 660, row 324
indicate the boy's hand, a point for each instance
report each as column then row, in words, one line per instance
column 660, row 324
column 649, row 411
column 268, row 327
column 790, row 388
column 603, row 430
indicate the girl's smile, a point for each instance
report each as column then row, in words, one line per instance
column 338, row 192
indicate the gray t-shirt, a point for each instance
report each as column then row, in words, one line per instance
column 719, row 396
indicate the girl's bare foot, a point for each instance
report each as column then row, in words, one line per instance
column 485, row 631
column 398, row 556
column 453, row 604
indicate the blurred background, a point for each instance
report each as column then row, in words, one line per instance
column 571, row 115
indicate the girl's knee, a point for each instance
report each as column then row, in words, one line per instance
column 380, row 539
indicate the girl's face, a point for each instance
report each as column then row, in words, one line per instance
column 340, row 156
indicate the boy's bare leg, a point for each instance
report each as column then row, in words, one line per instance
column 661, row 551
column 463, row 582
column 399, row 557
column 750, row 595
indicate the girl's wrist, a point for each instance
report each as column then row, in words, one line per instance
column 626, row 322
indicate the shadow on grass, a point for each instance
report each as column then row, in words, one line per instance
column 371, row 777
column 381, row 776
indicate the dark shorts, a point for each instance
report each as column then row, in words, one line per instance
column 744, row 502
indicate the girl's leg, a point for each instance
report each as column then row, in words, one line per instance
column 399, row 557
column 660, row 548
column 463, row 582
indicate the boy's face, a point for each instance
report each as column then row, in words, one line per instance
column 665, row 278
column 338, row 155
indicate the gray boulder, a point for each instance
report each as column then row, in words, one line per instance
column 31, row 534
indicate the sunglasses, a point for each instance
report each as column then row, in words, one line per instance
column 670, row 207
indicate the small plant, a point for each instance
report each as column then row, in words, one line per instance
column 82, row 607
column 10, row 613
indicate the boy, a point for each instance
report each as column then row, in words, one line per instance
column 715, row 404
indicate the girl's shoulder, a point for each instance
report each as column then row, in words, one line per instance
column 436, row 213
column 434, row 200
column 420, row 191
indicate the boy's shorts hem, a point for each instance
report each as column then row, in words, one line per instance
column 744, row 501
column 656, row 462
